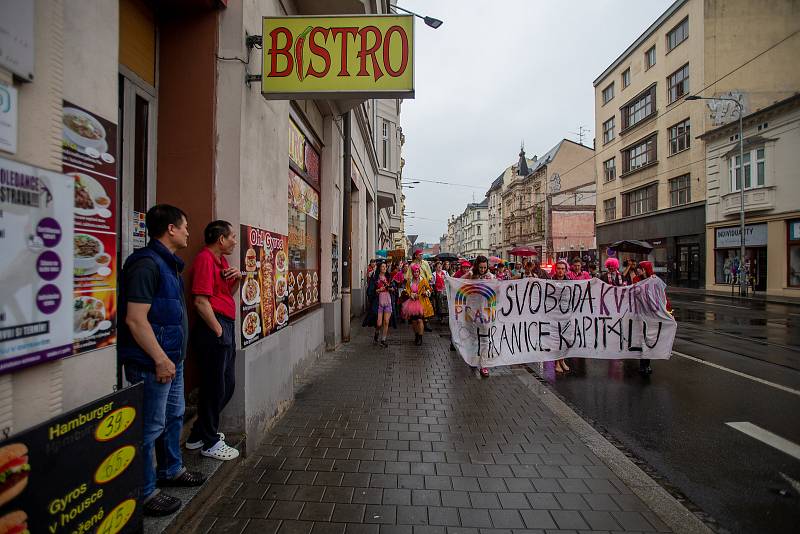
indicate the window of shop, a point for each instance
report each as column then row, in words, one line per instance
column 680, row 190
column 642, row 107
column 304, row 225
column 610, row 209
column 728, row 267
column 639, row 201
column 610, row 169
column 608, row 130
column 734, row 163
column 679, row 137
column 639, row 155
column 793, row 252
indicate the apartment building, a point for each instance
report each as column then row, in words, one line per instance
column 758, row 70
column 388, row 145
column 495, row 215
column 470, row 230
column 529, row 213
column 771, row 201
column 651, row 168
column 650, row 171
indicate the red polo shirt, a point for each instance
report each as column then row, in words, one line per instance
column 207, row 280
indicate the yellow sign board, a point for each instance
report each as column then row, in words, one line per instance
column 338, row 57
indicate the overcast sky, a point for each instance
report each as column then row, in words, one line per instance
column 494, row 74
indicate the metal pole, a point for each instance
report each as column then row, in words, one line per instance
column 743, row 272
column 346, row 227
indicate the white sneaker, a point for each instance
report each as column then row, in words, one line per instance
column 221, row 451
column 194, row 445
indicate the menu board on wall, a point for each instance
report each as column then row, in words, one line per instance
column 35, row 265
column 89, row 158
column 264, row 284
column 334, row 267
column 303, row 289
column 79, row 472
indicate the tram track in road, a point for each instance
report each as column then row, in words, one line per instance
column 760, row 342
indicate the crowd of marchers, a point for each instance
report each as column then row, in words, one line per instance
column 414, row 291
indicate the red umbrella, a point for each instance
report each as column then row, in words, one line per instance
column 523, row 251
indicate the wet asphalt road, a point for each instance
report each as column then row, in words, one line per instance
column 675, row 420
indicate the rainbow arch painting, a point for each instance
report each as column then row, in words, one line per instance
column 476, row 289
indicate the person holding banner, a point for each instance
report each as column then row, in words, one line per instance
column 417, row 306
column 649, row 272
column 612, row 276
column 561, row 274
column 577, row 272
column 537, row 271
column 480, row 271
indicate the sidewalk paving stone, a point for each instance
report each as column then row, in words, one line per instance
column 407, row 440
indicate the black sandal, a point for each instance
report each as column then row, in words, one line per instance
column 161, row 504
column 185, row 479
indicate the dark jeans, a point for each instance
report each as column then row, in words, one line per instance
column 216, row 358
column 162, row 420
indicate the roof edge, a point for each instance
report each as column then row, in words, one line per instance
column 642, row 38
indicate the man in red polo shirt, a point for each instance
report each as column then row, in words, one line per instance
column 213, row 284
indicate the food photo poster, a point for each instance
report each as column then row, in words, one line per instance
column 264, row 289
column 89, row 159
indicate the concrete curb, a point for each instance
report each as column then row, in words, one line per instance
column 664, row 505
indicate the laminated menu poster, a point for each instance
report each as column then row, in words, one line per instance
column 303, row 289
column 36, row 263
column 264, row 287
column 89, row 158
column 78, row 473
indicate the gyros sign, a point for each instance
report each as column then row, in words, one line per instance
column 338, row 57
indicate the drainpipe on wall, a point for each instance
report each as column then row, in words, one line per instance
column 346, row 227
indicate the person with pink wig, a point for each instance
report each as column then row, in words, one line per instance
column 612, row 276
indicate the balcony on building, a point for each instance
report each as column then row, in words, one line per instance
column 388, row 189
column 756, row 199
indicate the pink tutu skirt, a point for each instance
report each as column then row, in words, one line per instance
column 412, row 308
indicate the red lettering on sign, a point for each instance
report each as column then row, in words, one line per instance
column 319, row 51
column 387, row 64
column 344, row 33
column 369, row 51
column 274, row 52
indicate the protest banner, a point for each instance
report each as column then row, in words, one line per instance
column 495, row 323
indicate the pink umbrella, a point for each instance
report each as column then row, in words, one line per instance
column 523, row 251
column 494, row 260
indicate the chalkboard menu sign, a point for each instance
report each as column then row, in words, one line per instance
column 80, row 472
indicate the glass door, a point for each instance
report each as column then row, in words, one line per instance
column 137, row 120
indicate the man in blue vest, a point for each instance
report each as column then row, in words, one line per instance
column 153, row 332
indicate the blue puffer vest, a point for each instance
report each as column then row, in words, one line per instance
column 166, row 311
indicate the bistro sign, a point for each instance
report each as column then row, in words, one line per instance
column 338, row 57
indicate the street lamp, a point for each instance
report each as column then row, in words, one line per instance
column 740, row 107
column 430, row 21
